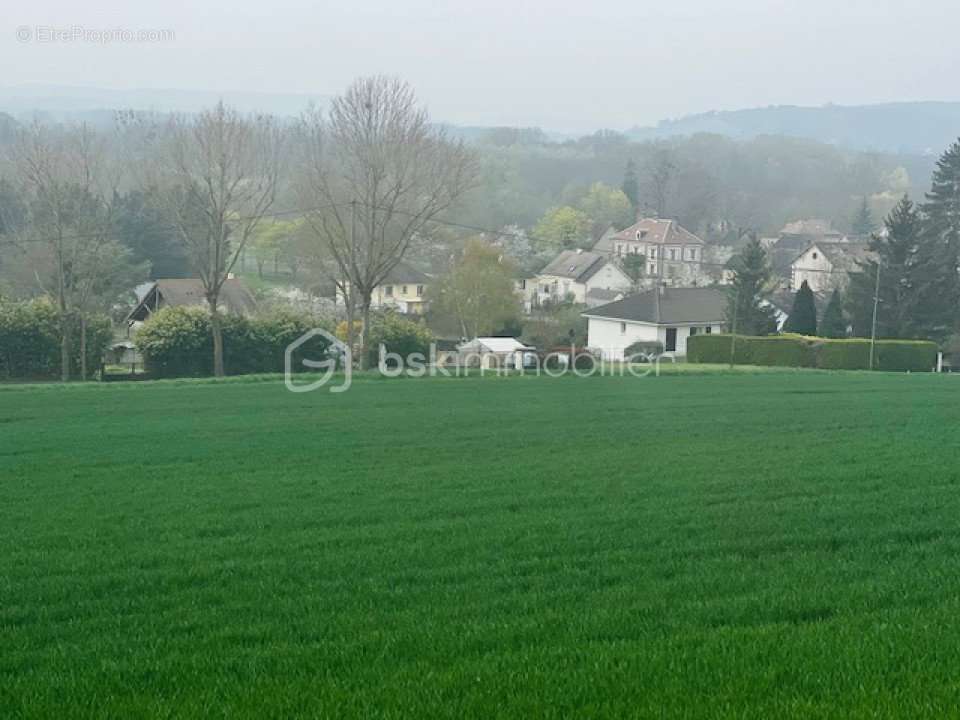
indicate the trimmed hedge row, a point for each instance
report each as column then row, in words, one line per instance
column 177, row 342
column 801, row 351
column 30, row 340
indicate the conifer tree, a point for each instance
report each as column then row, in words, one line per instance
column 745, row 312
column 898, row 311
column 833, row 325
column 631, row 185
column 863, row 224
column 939, row 256
column 803, row 316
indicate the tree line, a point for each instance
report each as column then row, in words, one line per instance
column 366, row 177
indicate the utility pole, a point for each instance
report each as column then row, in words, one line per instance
column 733, row 328
column 876, row 303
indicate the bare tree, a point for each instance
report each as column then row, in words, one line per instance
column 217, row 173
column 70, row 183
column 376, row 172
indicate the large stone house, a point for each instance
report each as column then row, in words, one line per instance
column 672, row 254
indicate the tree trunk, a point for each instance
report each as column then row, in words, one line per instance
column 351, row 330
column 217, row 332
column 365, row 331
column 83, row 347
column 64, row 346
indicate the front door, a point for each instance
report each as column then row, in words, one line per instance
column 671, row 344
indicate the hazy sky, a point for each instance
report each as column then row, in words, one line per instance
column 562, row 65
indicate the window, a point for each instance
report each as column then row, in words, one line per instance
column 388, row 290
column 619, row 250
column 653, row 251
column 403, row 290
column 814, row 255
column 623, row 328
column 420, row 288
column 693, row 253
column 673, row 253
column 693, row 331
column 671, row 344
column 708, row 329
column 651, row 269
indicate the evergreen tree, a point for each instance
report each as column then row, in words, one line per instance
column 833, row 325
column 745, row 312
column 635, row 266
column 939, row 255
column 899, row 309
column 863, row 224
column 803, row 316
column 631, row 185
column 142, row 227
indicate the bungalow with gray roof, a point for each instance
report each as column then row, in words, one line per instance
column 666, row 315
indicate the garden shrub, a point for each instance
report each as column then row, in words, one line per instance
column 399, row 335
column 177, row 342
column 30, row 340
column 643, row 349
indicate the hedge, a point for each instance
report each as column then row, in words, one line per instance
column 177, row 342
column 801, row 351
column 30, row 340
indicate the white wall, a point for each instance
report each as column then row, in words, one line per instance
column 609, row 277
column 607, row 337
column 611, row 337
column 813, row 267
column 564, row 285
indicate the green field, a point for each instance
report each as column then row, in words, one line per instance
column 768, row 545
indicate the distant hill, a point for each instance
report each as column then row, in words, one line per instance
column 908, row 128
column 96, row 105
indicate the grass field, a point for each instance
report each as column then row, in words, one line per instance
column 753, row 546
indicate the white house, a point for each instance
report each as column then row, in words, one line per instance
column 495, row 352
column 575, row 273
column 665, row 315
column 826, row 265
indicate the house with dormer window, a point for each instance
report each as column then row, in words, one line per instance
column 573, row 274
column 672, row 253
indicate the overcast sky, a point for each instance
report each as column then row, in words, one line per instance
column 572, row 66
